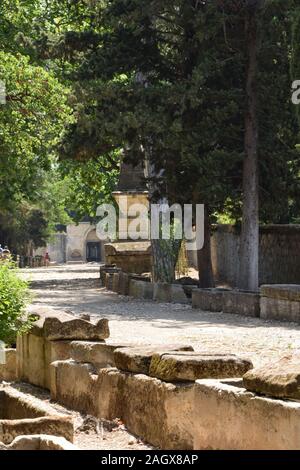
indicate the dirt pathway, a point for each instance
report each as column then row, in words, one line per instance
column 75, row 288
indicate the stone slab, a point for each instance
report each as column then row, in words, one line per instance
column 281, row 291
column 75, row 329
column 186, row 366
column 279, row 379
column 162, row 292
column 34, row 356
column 138, row 359
column 280, row 310
column 228, row 417
column 141, row 289
column 178, row 294
column 241, row 303
column 99, row 353
column 208, row 300
column 59, row 325
column 39, row 442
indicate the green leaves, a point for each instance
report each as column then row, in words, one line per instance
column 31, row 123
column 14, row 297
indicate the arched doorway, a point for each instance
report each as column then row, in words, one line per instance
column 93, row 247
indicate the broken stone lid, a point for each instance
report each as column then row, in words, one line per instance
column 138, row 359
column 279, row 380
column 54, row 325
column 186, row 366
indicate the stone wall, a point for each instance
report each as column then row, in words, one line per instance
column 279, row 254
column 168, row 395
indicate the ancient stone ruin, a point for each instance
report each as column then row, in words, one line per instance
column 168, row 395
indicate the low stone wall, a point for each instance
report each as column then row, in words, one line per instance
column 35, row 355
column 169, row 395
column 8, row 371
column 141, row 289
column 206, row 414
column 164, row 292
column 208, row 300
column 227, row 301
column 241, row 303
column 156, row 411
column 280, row 302
column 50, row 340
column 226, row 416
column 22, row 415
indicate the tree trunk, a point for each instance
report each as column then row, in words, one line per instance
column 206, row 277
column 164, row 252
column 248, row 273
column 165, row 256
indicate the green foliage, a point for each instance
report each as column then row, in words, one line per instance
column 31, row 123
column 170, row 75
column 89, row 184
column 14, row 297
column 23, row 227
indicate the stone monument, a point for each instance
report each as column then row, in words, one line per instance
column 132, row 256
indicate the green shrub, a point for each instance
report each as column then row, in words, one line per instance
column 14, row 298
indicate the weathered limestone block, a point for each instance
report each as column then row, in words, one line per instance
column 107, row 268
column 241, row 303
column 209, row 300
column 178, row 294
column 162, row 292
column 160, row 413
column 52, row 425
column 280, row 302
column 8, row 371
column 278, row 309
column 99, row 353
column 228, row 417
column 75, row 329
column 34, row 356
column 141, row 289
column 281, row 291
column 207, row 414
column 98, row 394
column 138, row 359
column 58, row 325
column 279, row 379
column 156, row 411
column 49, row 340
column 186, row 366
column 39, row 442
column 63, row 377
column 22, row 414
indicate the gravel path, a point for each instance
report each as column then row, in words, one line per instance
column 75, row 288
